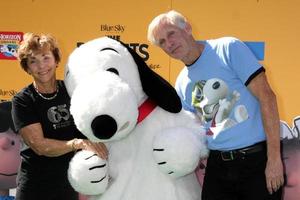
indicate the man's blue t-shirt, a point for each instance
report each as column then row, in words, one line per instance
column 215, row 87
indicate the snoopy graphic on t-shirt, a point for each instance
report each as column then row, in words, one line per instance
column 214, row 103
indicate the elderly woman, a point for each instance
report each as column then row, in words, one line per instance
column 41, row 116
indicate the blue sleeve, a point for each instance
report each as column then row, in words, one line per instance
column 242, row 60
column 185, row 106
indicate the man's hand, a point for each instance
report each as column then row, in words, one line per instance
column 274, row 175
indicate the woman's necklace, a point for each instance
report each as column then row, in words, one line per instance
column 46, row 98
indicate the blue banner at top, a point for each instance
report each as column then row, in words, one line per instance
column 258, row 49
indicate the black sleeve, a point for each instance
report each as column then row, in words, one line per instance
column 262, row 69
column 23, row 112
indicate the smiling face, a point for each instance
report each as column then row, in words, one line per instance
column 42, row 66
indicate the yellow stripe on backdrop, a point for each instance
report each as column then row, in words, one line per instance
column 273, row 22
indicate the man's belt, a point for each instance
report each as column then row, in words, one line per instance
column 238, row 153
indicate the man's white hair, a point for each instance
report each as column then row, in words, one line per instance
column 171, row 17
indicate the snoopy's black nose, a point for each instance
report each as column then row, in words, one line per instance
column 104, row 126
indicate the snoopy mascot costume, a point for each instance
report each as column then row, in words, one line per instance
column 154, row 145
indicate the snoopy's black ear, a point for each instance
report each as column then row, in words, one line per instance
column 157, row 88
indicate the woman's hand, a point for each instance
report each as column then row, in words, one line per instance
column 97, row 147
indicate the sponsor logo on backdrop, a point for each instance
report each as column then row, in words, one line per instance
column 9, row 43
column 112, row 28
column 140, row 48
column 114, row 31
column 7, row 94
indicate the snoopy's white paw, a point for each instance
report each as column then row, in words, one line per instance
column 240, row 113
column 87, row 173
column 224, row 103
column 177, row 151
column 235, row 95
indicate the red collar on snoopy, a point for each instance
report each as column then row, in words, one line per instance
column 145, row 109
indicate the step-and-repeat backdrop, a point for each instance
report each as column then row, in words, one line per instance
column 270, row 28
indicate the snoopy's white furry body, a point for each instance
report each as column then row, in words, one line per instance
column 135, row 174
column 150, row 160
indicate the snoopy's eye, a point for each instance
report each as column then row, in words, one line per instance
column 12, row 143
column 113, row 70
column 216, row 85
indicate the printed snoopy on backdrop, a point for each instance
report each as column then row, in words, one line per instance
column 10, row 145
column 8, row 50
column 214, row 103
column 154, row 145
